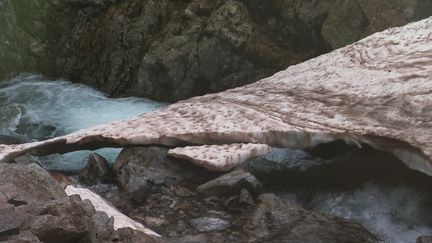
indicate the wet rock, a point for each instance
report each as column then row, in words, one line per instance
column 273, row 220
column 282, row 160
column 96, row 171
column 424, row 239
column 206, row 224
column 231, row 183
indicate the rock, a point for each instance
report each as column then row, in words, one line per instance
column 305, row 105
column 345, row 24
column 275, row 221
column 35, row 208
column 141, row 171
column 67, row 220
column 8, row 192
column 154, row 221
column 103, row 228
column 172, row 51
column 131, row 236
column 231, row 183
column 183, row 192
column 34, row 185
column 120, row 220
column 424, row 239
column 96, row 171
column 349, row 21
column 10, row 220
column 189, row 239
column 23, row 237
column 246, row 198
column 283, row 161
column 25, row 36
column 62, row 179
column 206, row 224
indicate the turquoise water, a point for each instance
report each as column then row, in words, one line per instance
column 33, row 108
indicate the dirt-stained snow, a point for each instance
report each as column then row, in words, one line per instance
column 376, row 91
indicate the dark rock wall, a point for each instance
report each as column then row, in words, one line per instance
column 24, row 36
column 172, row 49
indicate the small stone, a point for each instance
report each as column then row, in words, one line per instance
column 424, row 239
column 232, row 183
column 96, row 170
column 154, row 221
column 246, row 198
column 183, row 192
column 207, row 224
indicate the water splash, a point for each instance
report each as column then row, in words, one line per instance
column 33, row 108
column 398, row 214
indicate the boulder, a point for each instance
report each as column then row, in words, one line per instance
column 275, row 221
column 35, row 208
column 231, row 183
column 10, row 220
column 66, row 220
column 33, row 184
column 142, row 170
column 96, row 171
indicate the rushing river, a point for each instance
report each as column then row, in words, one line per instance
column 35, row 109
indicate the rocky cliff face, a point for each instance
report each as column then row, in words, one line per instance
column 171, row 50
column 24, row 36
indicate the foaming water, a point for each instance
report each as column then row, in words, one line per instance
column 33, row 108
column 395, row 213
